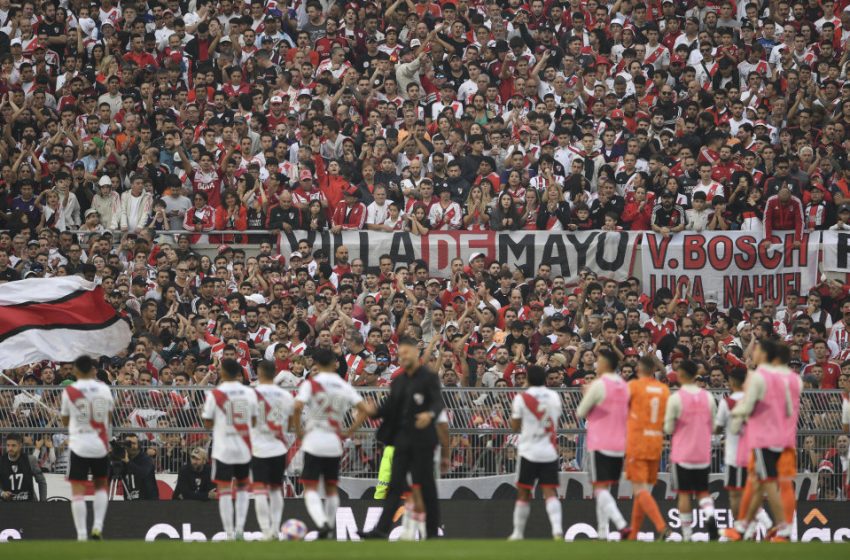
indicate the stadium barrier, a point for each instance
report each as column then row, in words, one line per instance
column 483, row 457
column 460, row 519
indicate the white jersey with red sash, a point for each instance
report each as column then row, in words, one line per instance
column 658, row 56
column 539, row 409
column 274, row 407
column 327, row 399
column 88, row 404
column 232, row 407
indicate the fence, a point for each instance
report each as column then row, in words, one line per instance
column 168, row 423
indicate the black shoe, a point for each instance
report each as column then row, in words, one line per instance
column 711, row 525
column 375, row 535
column 324, row 533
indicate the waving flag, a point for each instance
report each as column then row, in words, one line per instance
column 57, row 319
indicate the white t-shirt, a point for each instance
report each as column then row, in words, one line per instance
column 539, row 409
column 274, row 407
column 288, row 380
column 724, row 420
column 232, row 407
column 327, row 399
column 88, row 403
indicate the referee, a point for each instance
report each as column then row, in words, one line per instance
column 409, row 424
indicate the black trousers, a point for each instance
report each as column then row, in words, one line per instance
column 419, row 462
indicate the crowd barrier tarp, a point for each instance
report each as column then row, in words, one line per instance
column 461, row 519
column 728, row 265
column 609, row 254
column 572, row 485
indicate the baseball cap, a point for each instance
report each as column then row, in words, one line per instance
column 89, row 212
column 617, row 114
column 844, row 208
column 305, row 175
column 105, row 180
column 476, row 256
column 276, row 99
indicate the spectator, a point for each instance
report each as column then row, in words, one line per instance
column 194, row 479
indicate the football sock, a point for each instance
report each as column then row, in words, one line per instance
column 315, row 508
column 553, row 510
column 243, row 500
column 101, row 500
column 80, row 515
column 521, row 511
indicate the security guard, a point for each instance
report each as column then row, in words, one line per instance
column 410, row 416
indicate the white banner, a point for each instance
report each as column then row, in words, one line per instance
column 836, row 251
column 729, row 265
column 609, row 254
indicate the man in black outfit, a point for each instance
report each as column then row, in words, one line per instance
column 410, row 416
column 194, row 480
column 139, row 472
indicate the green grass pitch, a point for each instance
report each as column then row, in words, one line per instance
column 444, row 550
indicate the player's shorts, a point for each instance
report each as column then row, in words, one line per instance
column 224, row 473
column 604, row 468
column 80, row 467
column 686, row 481
column 766, row 463
column 315, row 467
column 736, row 477
column 268, row 470
column 642, row 471
column 786, row 467
column 545, row 474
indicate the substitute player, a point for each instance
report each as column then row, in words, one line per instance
column 231, row 410
column 324, row 400
column 644, row 443
column 535, row 413
column 690, row 419
column 86, row 410
column 736, row 472
column 770, row 407
column 605, row 405
column 274, row 412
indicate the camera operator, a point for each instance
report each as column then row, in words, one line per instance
column 18, row 472
column 135, row 469
column 194, row 482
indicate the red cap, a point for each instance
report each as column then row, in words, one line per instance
column 631, row 352
column 617, row 114
column 603, row 60
column 305, row 175
column 352, row 191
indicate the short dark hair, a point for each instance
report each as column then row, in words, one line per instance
column 84, row 364
column 407, row 340
column 688, row 369
column 230, row 369
column 609, row 356
column 266, row 370
column 324, row 357
column 536, row 376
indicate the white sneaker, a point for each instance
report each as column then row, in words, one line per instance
column 270, row 535
column 515, row 537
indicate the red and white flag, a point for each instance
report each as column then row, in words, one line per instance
column 57, row 319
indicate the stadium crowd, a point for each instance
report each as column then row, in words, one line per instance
column 136, row 133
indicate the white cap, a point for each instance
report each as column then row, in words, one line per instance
column 618, row 21
column 259, row 299
column 475, row 256
column 105, row 180
column 15, row 42
column 277, row 99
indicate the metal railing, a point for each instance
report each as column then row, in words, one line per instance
column 168, row 423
